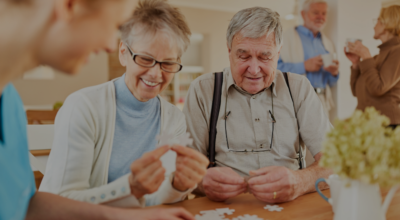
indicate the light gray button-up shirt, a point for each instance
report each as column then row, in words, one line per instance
column 243, row 139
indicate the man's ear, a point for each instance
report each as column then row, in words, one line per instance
column 229, row 49
column 303, row 15
column 64, row 9
column 121, row 54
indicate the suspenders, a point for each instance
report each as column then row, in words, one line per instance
column 216, row 104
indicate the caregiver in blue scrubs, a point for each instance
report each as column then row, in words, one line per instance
column 61, row 34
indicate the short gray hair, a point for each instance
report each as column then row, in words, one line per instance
column 254, row 23
column 153, row 16
column 307, row 3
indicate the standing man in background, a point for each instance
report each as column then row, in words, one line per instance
column 302, row 50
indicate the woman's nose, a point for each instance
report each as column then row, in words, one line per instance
column 155, row 71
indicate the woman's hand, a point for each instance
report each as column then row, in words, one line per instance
column 354, row 59
column 359, row 49
column 191, row 166
column 147, row 173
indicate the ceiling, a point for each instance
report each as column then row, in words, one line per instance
column 283, row 7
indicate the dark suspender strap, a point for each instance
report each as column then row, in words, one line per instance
column 300, row 153
column 216, row 104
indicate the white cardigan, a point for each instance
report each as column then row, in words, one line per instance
column 79, row 160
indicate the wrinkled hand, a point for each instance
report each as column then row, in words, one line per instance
column 334, row 68
column 191, row 166
column 272, row 179
column 354, row 59
column 154, row 214
column 222, row 183
column 147, row 173
column 313, row 64
column 359, row 49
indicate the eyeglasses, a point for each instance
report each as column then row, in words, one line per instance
column 272, row 133
column 149, row 62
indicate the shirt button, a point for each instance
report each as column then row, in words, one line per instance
column 123, row 189
column 113, row 192
column 261, row 145
column 254, row 97
column 92, row 198
column 103, row 196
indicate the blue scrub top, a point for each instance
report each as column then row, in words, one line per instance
column 17, row 184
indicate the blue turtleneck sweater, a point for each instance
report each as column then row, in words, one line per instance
column 136, row 126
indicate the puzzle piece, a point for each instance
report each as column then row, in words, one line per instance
column 167, row 138
column 272, row 208
column 185, row 140
column 248, row 217
column 225, row 211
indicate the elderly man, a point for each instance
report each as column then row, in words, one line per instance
column 303, row 48
column 261, row 122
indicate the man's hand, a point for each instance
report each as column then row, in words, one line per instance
column 281, row 180
column 313, row 64
column 333, row 69
column 147, row 173
column 191, row 166
column 222, row 183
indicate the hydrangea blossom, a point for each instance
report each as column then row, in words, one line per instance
column 363, row 148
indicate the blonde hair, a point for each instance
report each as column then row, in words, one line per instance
column 390, row 17
column 153, row 16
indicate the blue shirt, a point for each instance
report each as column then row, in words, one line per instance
column 312, row 46
column 136, row 126
column 17, row 184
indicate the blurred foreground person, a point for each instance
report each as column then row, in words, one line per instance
column 375, row 81
column 105, row 147
column 61, row 34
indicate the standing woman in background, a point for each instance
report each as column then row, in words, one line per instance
column 375, row 81
column 61, row 34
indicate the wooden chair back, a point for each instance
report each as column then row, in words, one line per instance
column 41, row 116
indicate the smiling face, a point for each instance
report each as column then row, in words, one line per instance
column 253, row 62
column 315, row 17
column 82, row 29
column 146, row 83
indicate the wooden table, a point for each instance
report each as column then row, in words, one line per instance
column 310, row 206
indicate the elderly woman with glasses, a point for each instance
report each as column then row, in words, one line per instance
column 375, row 81
column 105, row 147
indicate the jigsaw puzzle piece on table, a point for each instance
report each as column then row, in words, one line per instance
column 248, row 217
column 225, row 211
column 272, row 208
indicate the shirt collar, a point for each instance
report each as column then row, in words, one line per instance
column 305, row 31
column 390, row 43
column 231, row 82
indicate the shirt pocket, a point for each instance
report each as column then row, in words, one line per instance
column 287, row 133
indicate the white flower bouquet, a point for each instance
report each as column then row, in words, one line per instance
column 363, row 148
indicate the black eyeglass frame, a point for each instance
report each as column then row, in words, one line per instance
column 154, row 62
column 273, row 126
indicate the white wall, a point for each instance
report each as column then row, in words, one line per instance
column 43, row 92
column 350, row 19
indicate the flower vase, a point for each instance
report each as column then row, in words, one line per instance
column 361, row 201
